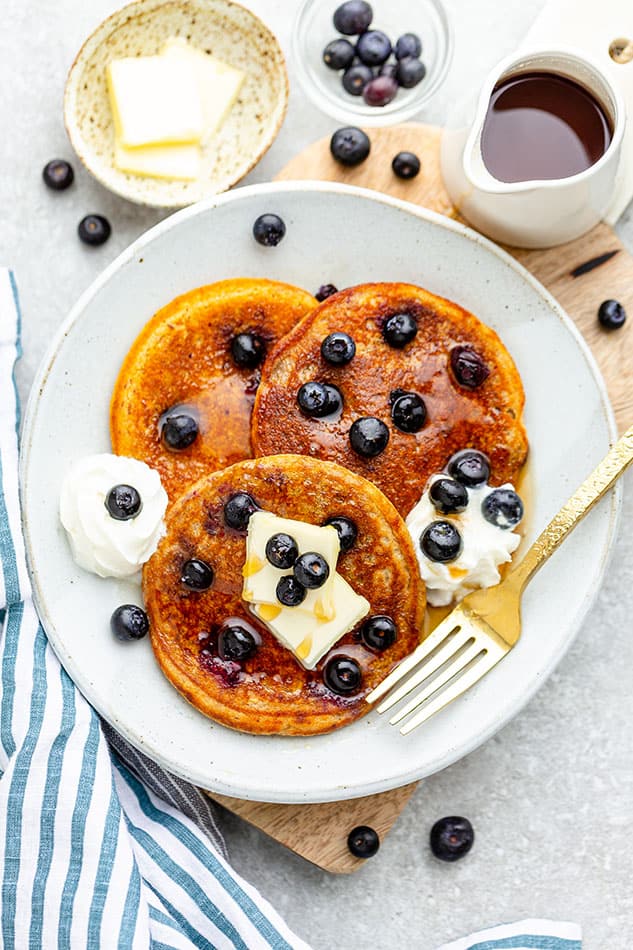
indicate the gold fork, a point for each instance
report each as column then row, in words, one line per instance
column 487, row 623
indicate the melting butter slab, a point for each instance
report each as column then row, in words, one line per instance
column 173, row 162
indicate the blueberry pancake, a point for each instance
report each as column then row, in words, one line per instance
column 215, row 647
column 183, row 398
column 389, row 380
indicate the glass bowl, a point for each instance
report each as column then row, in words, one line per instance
column 313, row 30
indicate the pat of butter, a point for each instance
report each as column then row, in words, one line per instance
column 155, row 101
column 309, row 640
column 218, row 83
column 174, row 162
column 261, row 578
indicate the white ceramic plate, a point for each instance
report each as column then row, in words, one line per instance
column 344, row 236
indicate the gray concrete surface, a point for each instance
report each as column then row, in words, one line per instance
column 549, row 796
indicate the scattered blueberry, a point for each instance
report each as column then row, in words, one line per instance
column 388, row 69
column 611, row 314
column 469, row 467
column 441, row 541
column 196, row 574
column 290, row 592
column 378, row 632
column 346, row 529
column 408, row 412
column 339, row 54
column 94, row 229
column 380, row 91
column 311, row 570
column 325, row 291
column 468, row 367
column 368, row 436
column 248, row 350
column 363, row 841
column 338, row 349
column 342, row 675
column 58, row 174
column 406, row 165
column 448, row 496
column 409, row 44
column 319, row 400
column 354, row 81
column 123, row 502
column 238, row 510
column 353, row 17
column 282, row 550
column 269, row 230
column 399, row 330
column 451, row 838
column 235, row 642
column 503, row 508
column 411, row 71
column 129, row 622
column 350, row 146
column 178, row 428
column 373, row 48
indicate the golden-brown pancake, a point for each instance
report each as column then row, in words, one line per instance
column 183, row 357
column 486, row 416
column 271, row 692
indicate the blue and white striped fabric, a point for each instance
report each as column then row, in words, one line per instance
column 90, row 856
column 522, row 935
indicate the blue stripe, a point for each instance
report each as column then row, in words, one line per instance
column 162, row 918
column 49, row 806
column 209, row 860
column 7, row 550
column 130, row 911
column 15, row 615
column 104, row 869
column 18, row 348
column 199, row 941
column 17, row 789
column 533, row 941
column 159, row 945
column 77, row 828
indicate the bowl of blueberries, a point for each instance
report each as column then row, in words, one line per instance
column 377, row 63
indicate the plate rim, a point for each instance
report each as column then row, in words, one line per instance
column 450, row 754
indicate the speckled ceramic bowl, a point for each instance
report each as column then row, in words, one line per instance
column 230, row 32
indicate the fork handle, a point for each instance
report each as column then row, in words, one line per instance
column 584, row 498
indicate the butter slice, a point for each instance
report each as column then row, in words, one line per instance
column 155, row 101
column 261, row 578
column 308, row 639
column 174, row 162
column 218, row 83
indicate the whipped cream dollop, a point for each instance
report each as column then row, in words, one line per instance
column 485, row 546
column 100, row 543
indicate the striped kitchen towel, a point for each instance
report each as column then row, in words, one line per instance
column 522, row 935
column 97, row 849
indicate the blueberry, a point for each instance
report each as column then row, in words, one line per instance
column 238, row 510
column 503, row 508
column 290, row 592
column 319, row 400
column 354, row 81
column 129, row 622
column 325, row 291
column 388, row 69
column 468, row 367
column 399, row 330
column 339, row 54
column 378, row 632
column 409, row 412
column 411, row 71
column 342, row 675
column 338, row 349
column 451, row 838
column 441, row 541
column 448, row 496
column 346, row 529
column 178, row 428
column 380, row 91
column 363, row 841
column 373, row 48
column 611, row 314
column 311, row 570
column 409, row 44
column 368, row 436
column 235, row 642
column 123, row 502
column 469, row 467
column 58, row 174
column 248, row 350
column 350, row 146
column 406, row 165
column 282, row 550
column 353, row 17
column 94, row 229
column 196, row 574
column 269, row 230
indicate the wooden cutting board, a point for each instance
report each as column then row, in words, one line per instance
column 580, row 275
